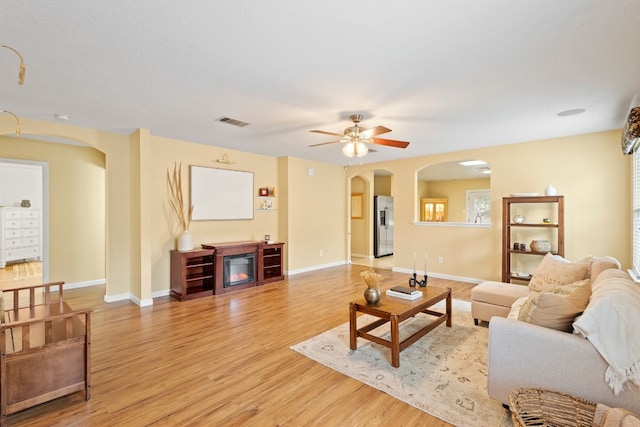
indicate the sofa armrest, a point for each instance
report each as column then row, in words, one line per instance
column 526, row 355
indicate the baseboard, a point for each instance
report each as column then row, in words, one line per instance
column 129, row 297
column 86, row 284
column 314, row 268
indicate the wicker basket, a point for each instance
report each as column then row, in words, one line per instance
column 538, row 407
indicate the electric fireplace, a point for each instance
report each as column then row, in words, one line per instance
column 239, row 269
column 242, row 265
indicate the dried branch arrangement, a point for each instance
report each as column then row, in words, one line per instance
column 371, row 278
column 176, row 199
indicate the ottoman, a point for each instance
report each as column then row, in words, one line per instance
column 490, row 299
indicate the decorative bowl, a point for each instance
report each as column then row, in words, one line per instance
column 540, row 246
column 518, row 219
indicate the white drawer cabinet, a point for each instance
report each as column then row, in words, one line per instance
column 20, row 234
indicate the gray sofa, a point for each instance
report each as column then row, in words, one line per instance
column 522, row 354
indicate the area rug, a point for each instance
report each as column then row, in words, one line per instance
column 444, row 373
column 27, row 270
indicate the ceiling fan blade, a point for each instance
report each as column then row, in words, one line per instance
column 378, row 130
column 389, row 142
column 326, row 133
column 325, row 143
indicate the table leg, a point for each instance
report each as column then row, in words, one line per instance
column 395, row 342
column 449, row 307
column 352, row 326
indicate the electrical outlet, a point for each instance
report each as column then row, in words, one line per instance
column 440, row 260
column 321, row 252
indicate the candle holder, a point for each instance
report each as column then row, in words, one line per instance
column 413, row 281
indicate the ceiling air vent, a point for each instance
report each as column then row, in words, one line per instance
column 230, row 121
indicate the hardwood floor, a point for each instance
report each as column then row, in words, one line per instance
column 226, row 360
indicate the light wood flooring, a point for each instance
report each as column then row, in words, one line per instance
column 226, row 361
column 6, row 278
column 385, row 262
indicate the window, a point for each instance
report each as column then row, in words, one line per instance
column 479, row 206
column 636, row 215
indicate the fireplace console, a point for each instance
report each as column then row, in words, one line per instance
column 223, row 267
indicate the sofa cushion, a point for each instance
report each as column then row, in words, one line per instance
column 498, row 293
column 558, row 307
column 555, row 271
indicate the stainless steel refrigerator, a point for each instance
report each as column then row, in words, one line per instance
column 382, row 226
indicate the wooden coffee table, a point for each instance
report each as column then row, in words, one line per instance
column 397, row 310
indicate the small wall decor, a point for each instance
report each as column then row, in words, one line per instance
column 224, row 159
column 263, row 192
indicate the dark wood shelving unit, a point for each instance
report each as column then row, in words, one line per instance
column 192, row 274
column 508, row 227
column 270, row 262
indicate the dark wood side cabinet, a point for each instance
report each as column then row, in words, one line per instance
column 270, row 267
column 192, row 274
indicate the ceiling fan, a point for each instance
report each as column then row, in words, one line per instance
column 356, row 137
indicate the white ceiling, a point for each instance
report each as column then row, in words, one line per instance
column 445, row 75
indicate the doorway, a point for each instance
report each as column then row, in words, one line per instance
column 364, row 187
column 27, row 195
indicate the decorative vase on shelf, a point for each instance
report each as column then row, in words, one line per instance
column 185, row 241
column 518, row 219
column 550, row 190
column 540, row 245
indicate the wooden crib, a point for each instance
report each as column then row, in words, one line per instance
column 44, row 347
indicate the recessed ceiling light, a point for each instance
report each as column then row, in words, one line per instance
column 572, row 112
column 61, row 116
column 472, row 163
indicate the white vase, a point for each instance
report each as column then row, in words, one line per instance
column 550, row 190
column 185, row 241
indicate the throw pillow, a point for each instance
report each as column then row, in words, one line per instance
column 598, row 264
column 515, row 308
column 557, row 308
column 556, row 271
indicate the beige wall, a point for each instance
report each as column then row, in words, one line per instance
column 137, row 228
column 382, row 185
column 164, row 226
column 589, row 170
column 317, row 219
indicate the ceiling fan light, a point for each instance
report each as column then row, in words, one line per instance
column 348, row 150
column 361, row 149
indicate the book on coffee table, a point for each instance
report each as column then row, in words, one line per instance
column 405, row 290
column 404, row 293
